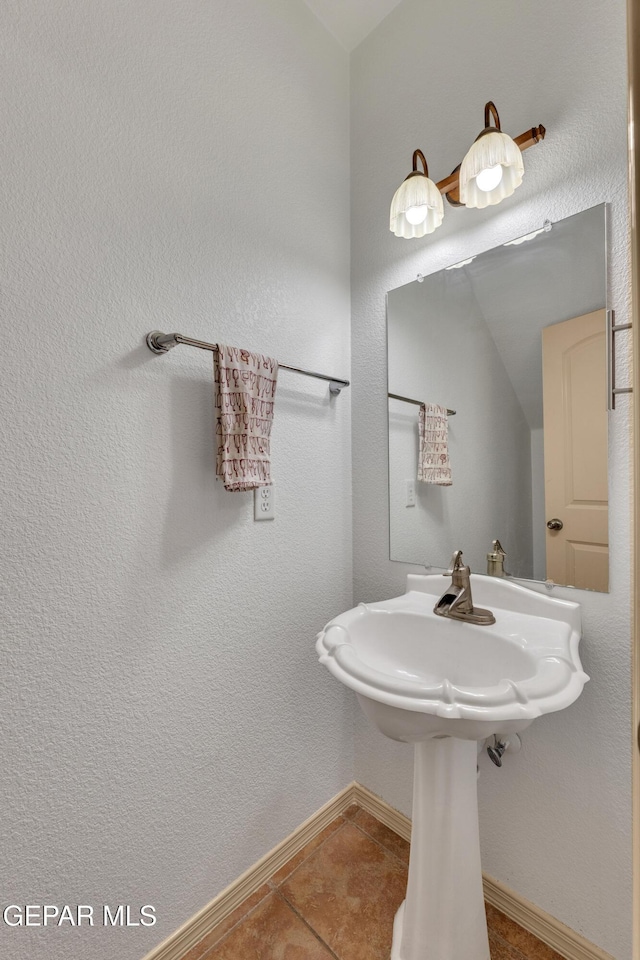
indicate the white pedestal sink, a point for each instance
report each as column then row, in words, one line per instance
column 443, row 684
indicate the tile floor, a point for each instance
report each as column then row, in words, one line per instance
column 336, row 900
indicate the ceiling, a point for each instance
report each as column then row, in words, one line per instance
column 351, row 20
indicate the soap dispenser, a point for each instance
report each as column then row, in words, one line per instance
column 495, row 560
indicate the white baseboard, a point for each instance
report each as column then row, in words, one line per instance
column 203, row 922
column 382, row 811
column 542, row 925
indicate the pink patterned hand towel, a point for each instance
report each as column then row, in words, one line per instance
column 433, row 456
column 245, row 390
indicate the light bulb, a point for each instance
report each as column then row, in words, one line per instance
column 417, row 214
column 489, row 178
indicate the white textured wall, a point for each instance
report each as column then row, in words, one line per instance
column 163, row 718
column 556, row 819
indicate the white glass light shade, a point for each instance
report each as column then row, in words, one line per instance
column 488, row 151
column 416, row 208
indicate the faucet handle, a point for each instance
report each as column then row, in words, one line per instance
column 456, row 564
column 498, row 550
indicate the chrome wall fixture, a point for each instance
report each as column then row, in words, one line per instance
column 163, row 342
column 419, row 403
column 612, row 329
column 490, row 171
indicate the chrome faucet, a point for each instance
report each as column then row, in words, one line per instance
column 456, row 601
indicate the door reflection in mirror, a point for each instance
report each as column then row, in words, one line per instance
column 529, row 441
column 575, row 451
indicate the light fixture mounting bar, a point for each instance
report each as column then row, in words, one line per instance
column 524, row 141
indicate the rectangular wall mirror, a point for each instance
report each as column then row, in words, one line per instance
column 514, row 341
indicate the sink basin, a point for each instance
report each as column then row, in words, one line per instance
column 443, row 684
column 418, row 675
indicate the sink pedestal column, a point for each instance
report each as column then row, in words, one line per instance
column 443, row 917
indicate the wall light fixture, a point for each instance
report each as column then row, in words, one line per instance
column 491, row 170
column 416, row 208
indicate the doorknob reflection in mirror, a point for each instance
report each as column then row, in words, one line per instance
column 555, row 524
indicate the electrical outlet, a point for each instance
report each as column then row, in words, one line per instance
column 410, row 493
column 264, row 503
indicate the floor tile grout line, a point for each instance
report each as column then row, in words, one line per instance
column 307, row 924
column 274, row 887
column 380, row 844
column 244, row 916
column 315, row 850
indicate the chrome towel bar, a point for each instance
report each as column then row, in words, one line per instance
column 163, row 342
column 418, row 403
